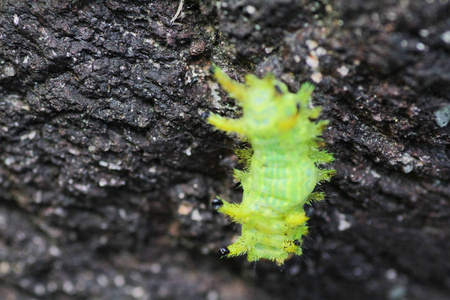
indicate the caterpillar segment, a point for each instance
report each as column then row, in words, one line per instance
column 280, row 170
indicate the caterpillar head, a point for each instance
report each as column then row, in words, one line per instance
column 269, row 108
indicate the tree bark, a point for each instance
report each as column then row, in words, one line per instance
column 107, row 167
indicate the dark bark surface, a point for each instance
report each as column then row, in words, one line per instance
column 107, row 167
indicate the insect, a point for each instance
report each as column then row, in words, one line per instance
column 280, row 169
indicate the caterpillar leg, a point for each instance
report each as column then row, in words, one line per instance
column 238, row 215
column 237, row 248
column 237, row 212
column 235, row 89
column 296, row 219
column 224, row 124
column 315, row 197
column 325, row 175
column 321, row 156
column 305, row 92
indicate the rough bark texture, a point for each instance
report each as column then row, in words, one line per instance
column 107, row 168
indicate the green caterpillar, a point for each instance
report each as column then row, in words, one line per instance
column 280, row 171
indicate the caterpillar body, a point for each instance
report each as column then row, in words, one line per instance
column 280, row 170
